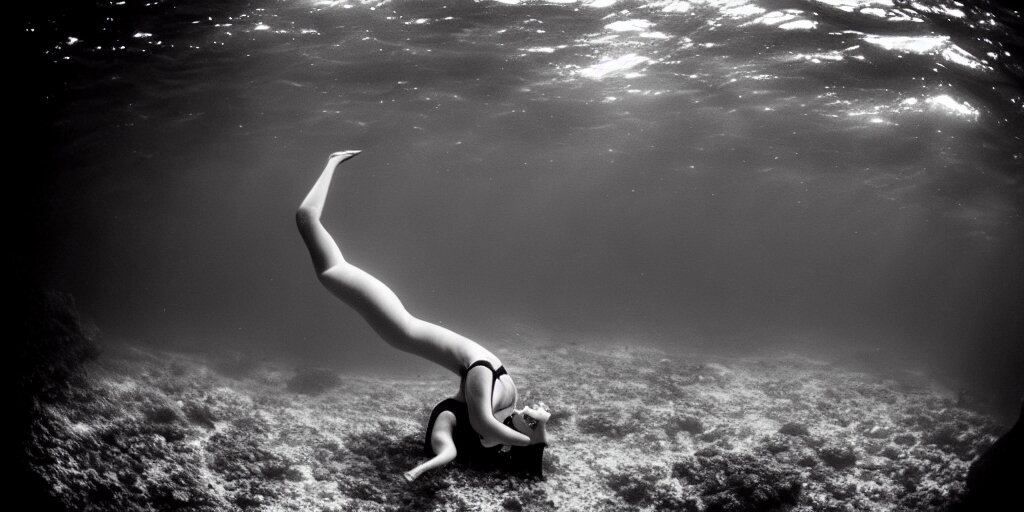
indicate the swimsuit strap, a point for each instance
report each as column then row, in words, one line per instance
column 483, row 362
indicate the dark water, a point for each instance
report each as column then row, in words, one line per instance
column 744, row 175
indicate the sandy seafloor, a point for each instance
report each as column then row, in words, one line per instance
column 633, row 429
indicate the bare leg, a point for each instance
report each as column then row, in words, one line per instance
column 321, row 246
column 363, row 292
column 442, row 443
column 372, row 299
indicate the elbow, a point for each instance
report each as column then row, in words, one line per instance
column 487, row 429
column 480, row 426
column 490, row 428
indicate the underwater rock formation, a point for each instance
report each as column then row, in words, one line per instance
column 50, row 349
column 156, row 431
column 994, row 481
column 56, row 342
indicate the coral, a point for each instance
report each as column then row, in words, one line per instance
column 740, row 483
column 389, row 448
column 238, row 454
column 635, row 485
column 146, row 431
column 125, row 465
column 200, row 414
column 838, row 456
column 904, row 439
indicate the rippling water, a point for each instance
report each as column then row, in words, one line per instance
column 697, row 173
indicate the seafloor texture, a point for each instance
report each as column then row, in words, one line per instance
column 632, row 430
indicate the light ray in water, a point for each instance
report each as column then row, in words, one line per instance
column 623, row 66
column 926, row 45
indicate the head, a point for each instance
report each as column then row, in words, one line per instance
column 519, row 422
column 503, row 401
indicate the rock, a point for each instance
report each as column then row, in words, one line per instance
column 163, row 413
column 837, row 456
column 904, row 439
column 841, row 491
column 238, row 454
column 687, row 424
column 642, row 486
column 512, row 503
column 200, row 414
column 775, row 446
column 794, row 429
column 892, row 452
column 742, row 483
column 994, row 479
column 807, row 461
column 708, row 451
column 635, row 486
column 685, row 471
column 293, row 474
column 133, row 438
column 57, row 343
column 51, row 344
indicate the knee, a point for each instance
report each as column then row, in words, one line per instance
column 329, row 278
column 447, row 453
column 306, row 216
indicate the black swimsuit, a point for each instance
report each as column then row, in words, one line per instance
column 467, row 441
column 519, row 459
column 497, row 373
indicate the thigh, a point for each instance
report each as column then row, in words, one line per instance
column 371, row 298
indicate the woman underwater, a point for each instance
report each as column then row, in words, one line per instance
column 480, row 424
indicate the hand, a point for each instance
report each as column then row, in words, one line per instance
column 537, row 412
column 538, row 417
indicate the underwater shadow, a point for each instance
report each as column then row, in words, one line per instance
column 380, row 457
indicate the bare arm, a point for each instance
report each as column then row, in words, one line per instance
column 481, row 417
column 540, row 417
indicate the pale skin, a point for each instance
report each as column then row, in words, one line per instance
column 382, row 309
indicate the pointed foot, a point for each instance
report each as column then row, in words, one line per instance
column 341, row 156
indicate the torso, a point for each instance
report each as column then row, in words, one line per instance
column 496, row 372
column 462, row 417
column 475, row 356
